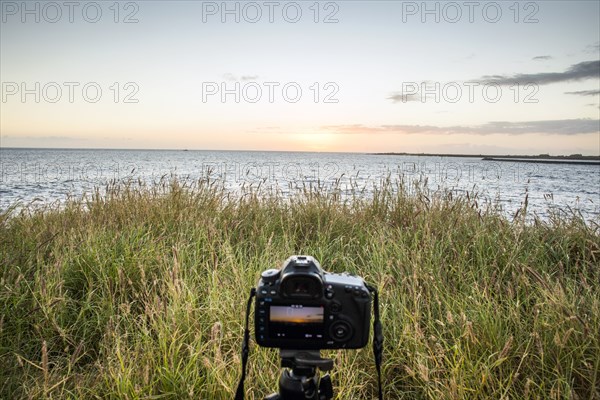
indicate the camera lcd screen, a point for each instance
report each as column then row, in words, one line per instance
column 296, row 322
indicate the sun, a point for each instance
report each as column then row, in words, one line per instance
column 312, row 140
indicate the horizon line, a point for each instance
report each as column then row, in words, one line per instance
column 391, row 153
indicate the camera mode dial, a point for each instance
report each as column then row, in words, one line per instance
column 270, row 276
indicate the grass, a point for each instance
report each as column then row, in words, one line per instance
column 140, row 293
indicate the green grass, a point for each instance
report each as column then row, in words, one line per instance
column 141, row 294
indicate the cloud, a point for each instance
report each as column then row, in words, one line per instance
column 414, row 92
column 585, row 92
column 405, row 129
column 547, row 127
column 233, row 78
column 542, row 58
column 47, row 138
column 577, row 72
column 399, row 97
column 593, row 48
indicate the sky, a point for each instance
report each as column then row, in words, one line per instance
column 465, row 77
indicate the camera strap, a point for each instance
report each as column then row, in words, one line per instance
column 239, row 394
column 377, row 337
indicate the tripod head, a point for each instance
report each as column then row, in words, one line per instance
column 300, row 378
column 300, row 359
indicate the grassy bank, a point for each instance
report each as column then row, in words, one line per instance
column 141, row 294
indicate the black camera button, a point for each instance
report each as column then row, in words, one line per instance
column 335, row 307
column 341, row 330
column 329, row 292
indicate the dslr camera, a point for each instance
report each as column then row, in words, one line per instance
column 300, row 306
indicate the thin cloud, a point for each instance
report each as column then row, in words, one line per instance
column 585, row 93
column 593, row 48
column 415, row 95
column 48, row 138
column 233, row 78
column 542, row 58
column 577, row 72
column 362, row 129
column 404, row 98
column 547, row 127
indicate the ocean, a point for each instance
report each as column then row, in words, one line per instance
column 39, row 177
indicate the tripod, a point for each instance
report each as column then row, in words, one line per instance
column 300, row 379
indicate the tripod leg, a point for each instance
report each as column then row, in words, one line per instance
column 325, row 388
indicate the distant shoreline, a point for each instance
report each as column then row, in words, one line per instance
column 541, row 158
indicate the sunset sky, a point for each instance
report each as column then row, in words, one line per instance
column 379, row 76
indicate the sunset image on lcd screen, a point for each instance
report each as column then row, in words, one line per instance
column 297, row 315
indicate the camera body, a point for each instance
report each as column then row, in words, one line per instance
column 303, row 307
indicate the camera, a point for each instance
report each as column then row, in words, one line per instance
column 300, row 306
column 301, row 310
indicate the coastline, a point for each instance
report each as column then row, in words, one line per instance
column 541, row 158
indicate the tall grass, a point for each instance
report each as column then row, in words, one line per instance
column 140, row 292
